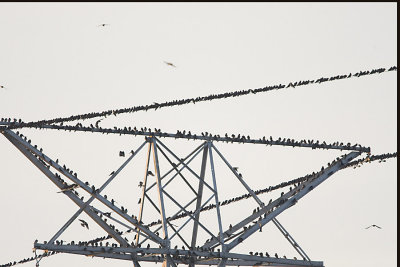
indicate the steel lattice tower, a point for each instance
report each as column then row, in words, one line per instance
column 161, row 248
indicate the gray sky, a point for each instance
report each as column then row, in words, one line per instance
column 55, row 61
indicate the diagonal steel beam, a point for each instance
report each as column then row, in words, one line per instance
column 176, row 169
column 60, row 185
column 287, row 204
column 68, row 223
column 286, row 234
column 191, row 155
column 186, row 165
column 77, row 181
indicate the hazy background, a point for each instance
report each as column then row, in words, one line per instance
column 55, row 61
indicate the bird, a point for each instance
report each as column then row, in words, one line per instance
column 374, row 225
column 84, row 224
column 103, row 25
column 97, row 123
column 170, row 64
column 122, row 154
column 69, row 187
column 2, row 86
column 150, row 173
column 112, row 173
column 235, row 168
column 140, row 184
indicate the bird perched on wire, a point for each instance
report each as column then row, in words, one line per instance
column 170, row 64
column 374, row 225
column 150, row 173
column 84, row 224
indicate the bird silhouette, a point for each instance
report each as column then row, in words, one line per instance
column 170, row 64
column 150, row 173
column 84, row 224
column 122, row 154
column 373, row 225
column 103, row 25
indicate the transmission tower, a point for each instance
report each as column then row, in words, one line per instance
column 203, row 187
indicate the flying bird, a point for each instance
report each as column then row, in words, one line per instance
column 122, row 154
column 170, row 64
column 374, row 225
column 103, row 25
column 84, row 224
column 69, row 187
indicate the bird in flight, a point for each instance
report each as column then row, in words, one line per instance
column 1, row 86
column 170, row 64
column 69, row 187
column 84, row 224
column 103, row 25
column 374, row 225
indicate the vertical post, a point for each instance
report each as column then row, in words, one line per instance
column 160, row 197
column 143, row 191
column 199, row 195
column 221, row 234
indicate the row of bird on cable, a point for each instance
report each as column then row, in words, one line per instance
column 314, row 144
column 25, row 260
column 155, row 106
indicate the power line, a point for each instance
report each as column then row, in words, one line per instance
column 156, row 106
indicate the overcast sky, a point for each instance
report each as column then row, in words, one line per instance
column 56, row 61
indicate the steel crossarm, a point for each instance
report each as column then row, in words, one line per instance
column 77, row 181
column 194, row 137
column 287, row 204
column 179, row 256
column 17, row 143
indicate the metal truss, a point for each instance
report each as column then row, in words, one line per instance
column 215, row 251
column 189, row 136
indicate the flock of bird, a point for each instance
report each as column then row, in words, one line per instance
column 156, row 106
column 228, row 138
column 295, row 182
